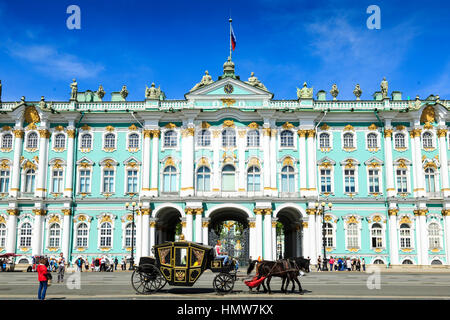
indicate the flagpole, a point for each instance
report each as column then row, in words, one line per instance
column 230, row 35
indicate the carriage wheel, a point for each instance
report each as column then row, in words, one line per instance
column 223, row 283
column 148, row 281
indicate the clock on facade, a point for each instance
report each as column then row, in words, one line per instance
column 228, row 88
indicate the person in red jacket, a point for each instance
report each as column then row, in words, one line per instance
column 42, row 278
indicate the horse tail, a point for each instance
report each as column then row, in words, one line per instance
column 251, row 266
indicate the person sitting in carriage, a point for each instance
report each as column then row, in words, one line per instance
column 219, row 254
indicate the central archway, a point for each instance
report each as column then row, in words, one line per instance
column 168, row 224
column 289, row 232
column 230, row 226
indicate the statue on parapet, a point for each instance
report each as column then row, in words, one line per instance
column 124, row 92
column 384, row 88
column 305, row 92
column 206, row 79
column 152, row 92
column 357, row 92
column 255, row 82
column 334, row 91
column 100, row 92
column 74, row 90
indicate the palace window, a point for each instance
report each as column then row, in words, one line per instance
column 287, row 179
column 4, row 181
column 54, row 235
column 348, row 140
column 427, row 140
column 253, row 138
column 32, row 141
column 132, row 181
column 430, row 180
column 399, row 141
column 287, row 138
column 253, row 179
column 349, row 181
column 352, row 236
column 434, row 237
column 128, row 231
column 170, row 139
column 110, row 141
column 402, row 180
column 377, row 235
column 324, row 140
column 170, row 179
column 85, row 180
column 228, row 138
column 405, row 236
column 105, row 234
column 25, row 235
column 7, row 141
column 203, row 179
column 325, row 180
column 108, row 181
column 86, row 141
column 407, row 261
column 30, row 176
column 60, row 141
column 378, row 261
column 204, row 138
column 228, row 178
column 374, row 180
column 2, row 235
column 57, row 180
column 328, row 235
column 133, row 141
column 82, row 235
column 372, row 141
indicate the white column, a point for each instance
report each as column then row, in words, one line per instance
column 446, row 214
column 393, row 236
column 253, row 241
column 37, row 239
column 423, row 236
column 187, row 162
column 390, row 187
column 189, row 223
column 70, row 163
column 419, row 170
column 319, row 240
column 312, row 235
column 274, row 239
column 146, row 164
column 66, row 233
column 155, row 163
column 145, row 232
column 138, row 228
column 12, row 230
column 152, row 236
column 241, row 143
column 312, row 168
column 198, row 226
column 41, row 189
column 184, row 227
column 205, row 225
column 442, row 133
column 266, row 165
column 415, row 184
column 268, row 245
column 305, row 239
column 258, row 235
column 273, row 161
column 216, row 162
column 18, row 144
column 303, row 162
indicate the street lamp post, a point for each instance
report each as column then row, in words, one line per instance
column 322, row 208
column 133, row 209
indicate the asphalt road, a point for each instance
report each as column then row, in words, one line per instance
column 316, row 285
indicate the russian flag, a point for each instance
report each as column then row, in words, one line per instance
column 233, row 38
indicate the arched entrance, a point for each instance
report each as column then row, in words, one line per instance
column 168, row 225
column 230, row 226
column 289, row 233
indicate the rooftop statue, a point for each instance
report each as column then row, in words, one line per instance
column 42, row 104
column 100, row 92
column 74, row 90
column 124, row 92
column 305, row 92
column 334, row 91
column 357, row 92
column 206, row 79
column 152, row 92
column 384, row 88
column 255, row 82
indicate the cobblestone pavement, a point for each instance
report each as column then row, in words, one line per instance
column 316, row 285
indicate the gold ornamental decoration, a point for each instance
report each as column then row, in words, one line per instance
column 109, row 128
column 54, row 219
column 188, row 132
column 388, row 132
column 6, row 128
column 253, row 125
column 169, row 162
column 18, row 133
column 252, row 224
column 71, row 133
column 405, row 219
column 352, row 219
column 132, row 127
column 85, row 127
column 301, row 133
column 442, row 133
column 287, row 125
column 39, row 212
column 349, row 127
column 445, row 212
column 311, row 133
column 228, row 102
column 228, row 123
column 428, row 126
column 325, row 127
column 12, row 212
column 170, row 125
column 147, row 133
column 44, row 133
column 372, row 127
column 400, row 127
column 205, row 125
column 31, row 115
column 288, row 162
column 428, row 115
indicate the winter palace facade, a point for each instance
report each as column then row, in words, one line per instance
column 227, row 152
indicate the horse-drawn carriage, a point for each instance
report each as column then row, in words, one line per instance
column 181, row 263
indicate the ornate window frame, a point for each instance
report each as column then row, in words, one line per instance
column 164, row 131
column 85, row 131
column 164, row 163
column 139, row 139
column 254, row 162
column 351, row 164
column 403, row 163
column 84, row 163
column 50, row 220
column 79, row 219
column 108, row 164
column 436, row 219
column 203, row 162
column 25, row 218
column 350, row 219
column 435, row 165
column 433, row 140
column 259, row 133
column 332, row 220
column 5, row 165
column 109, row 130
column 326, row 163
column 294, row 139
column 377, row 134
column 25, row 166
column 101, row 219
column 198, row 135
column 56, row 132
column 127, row 220
column 131, row 163
column 2, row 137
column 283, row 162
column 374, row 164
column 377, row 218
column 57, row 164
column 27, row 139
column 408, row 219
column 401, row 130
column 354, row 137
column 236, row 178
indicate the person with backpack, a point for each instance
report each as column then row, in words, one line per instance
column 43, row 277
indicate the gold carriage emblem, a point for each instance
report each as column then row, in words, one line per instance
column 180, row 275
column 216, row 264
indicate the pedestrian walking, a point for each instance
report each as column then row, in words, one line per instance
column 319, row 264
column 363, row 263
column 358, row 265
column 116, row 262
column 86, row 265
column 61, row 267
column 331, row 261
column 102, row 264
column 42, row 278
column 349, row 264
column 80, row 264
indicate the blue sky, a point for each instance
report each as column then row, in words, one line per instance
column 172, row 43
